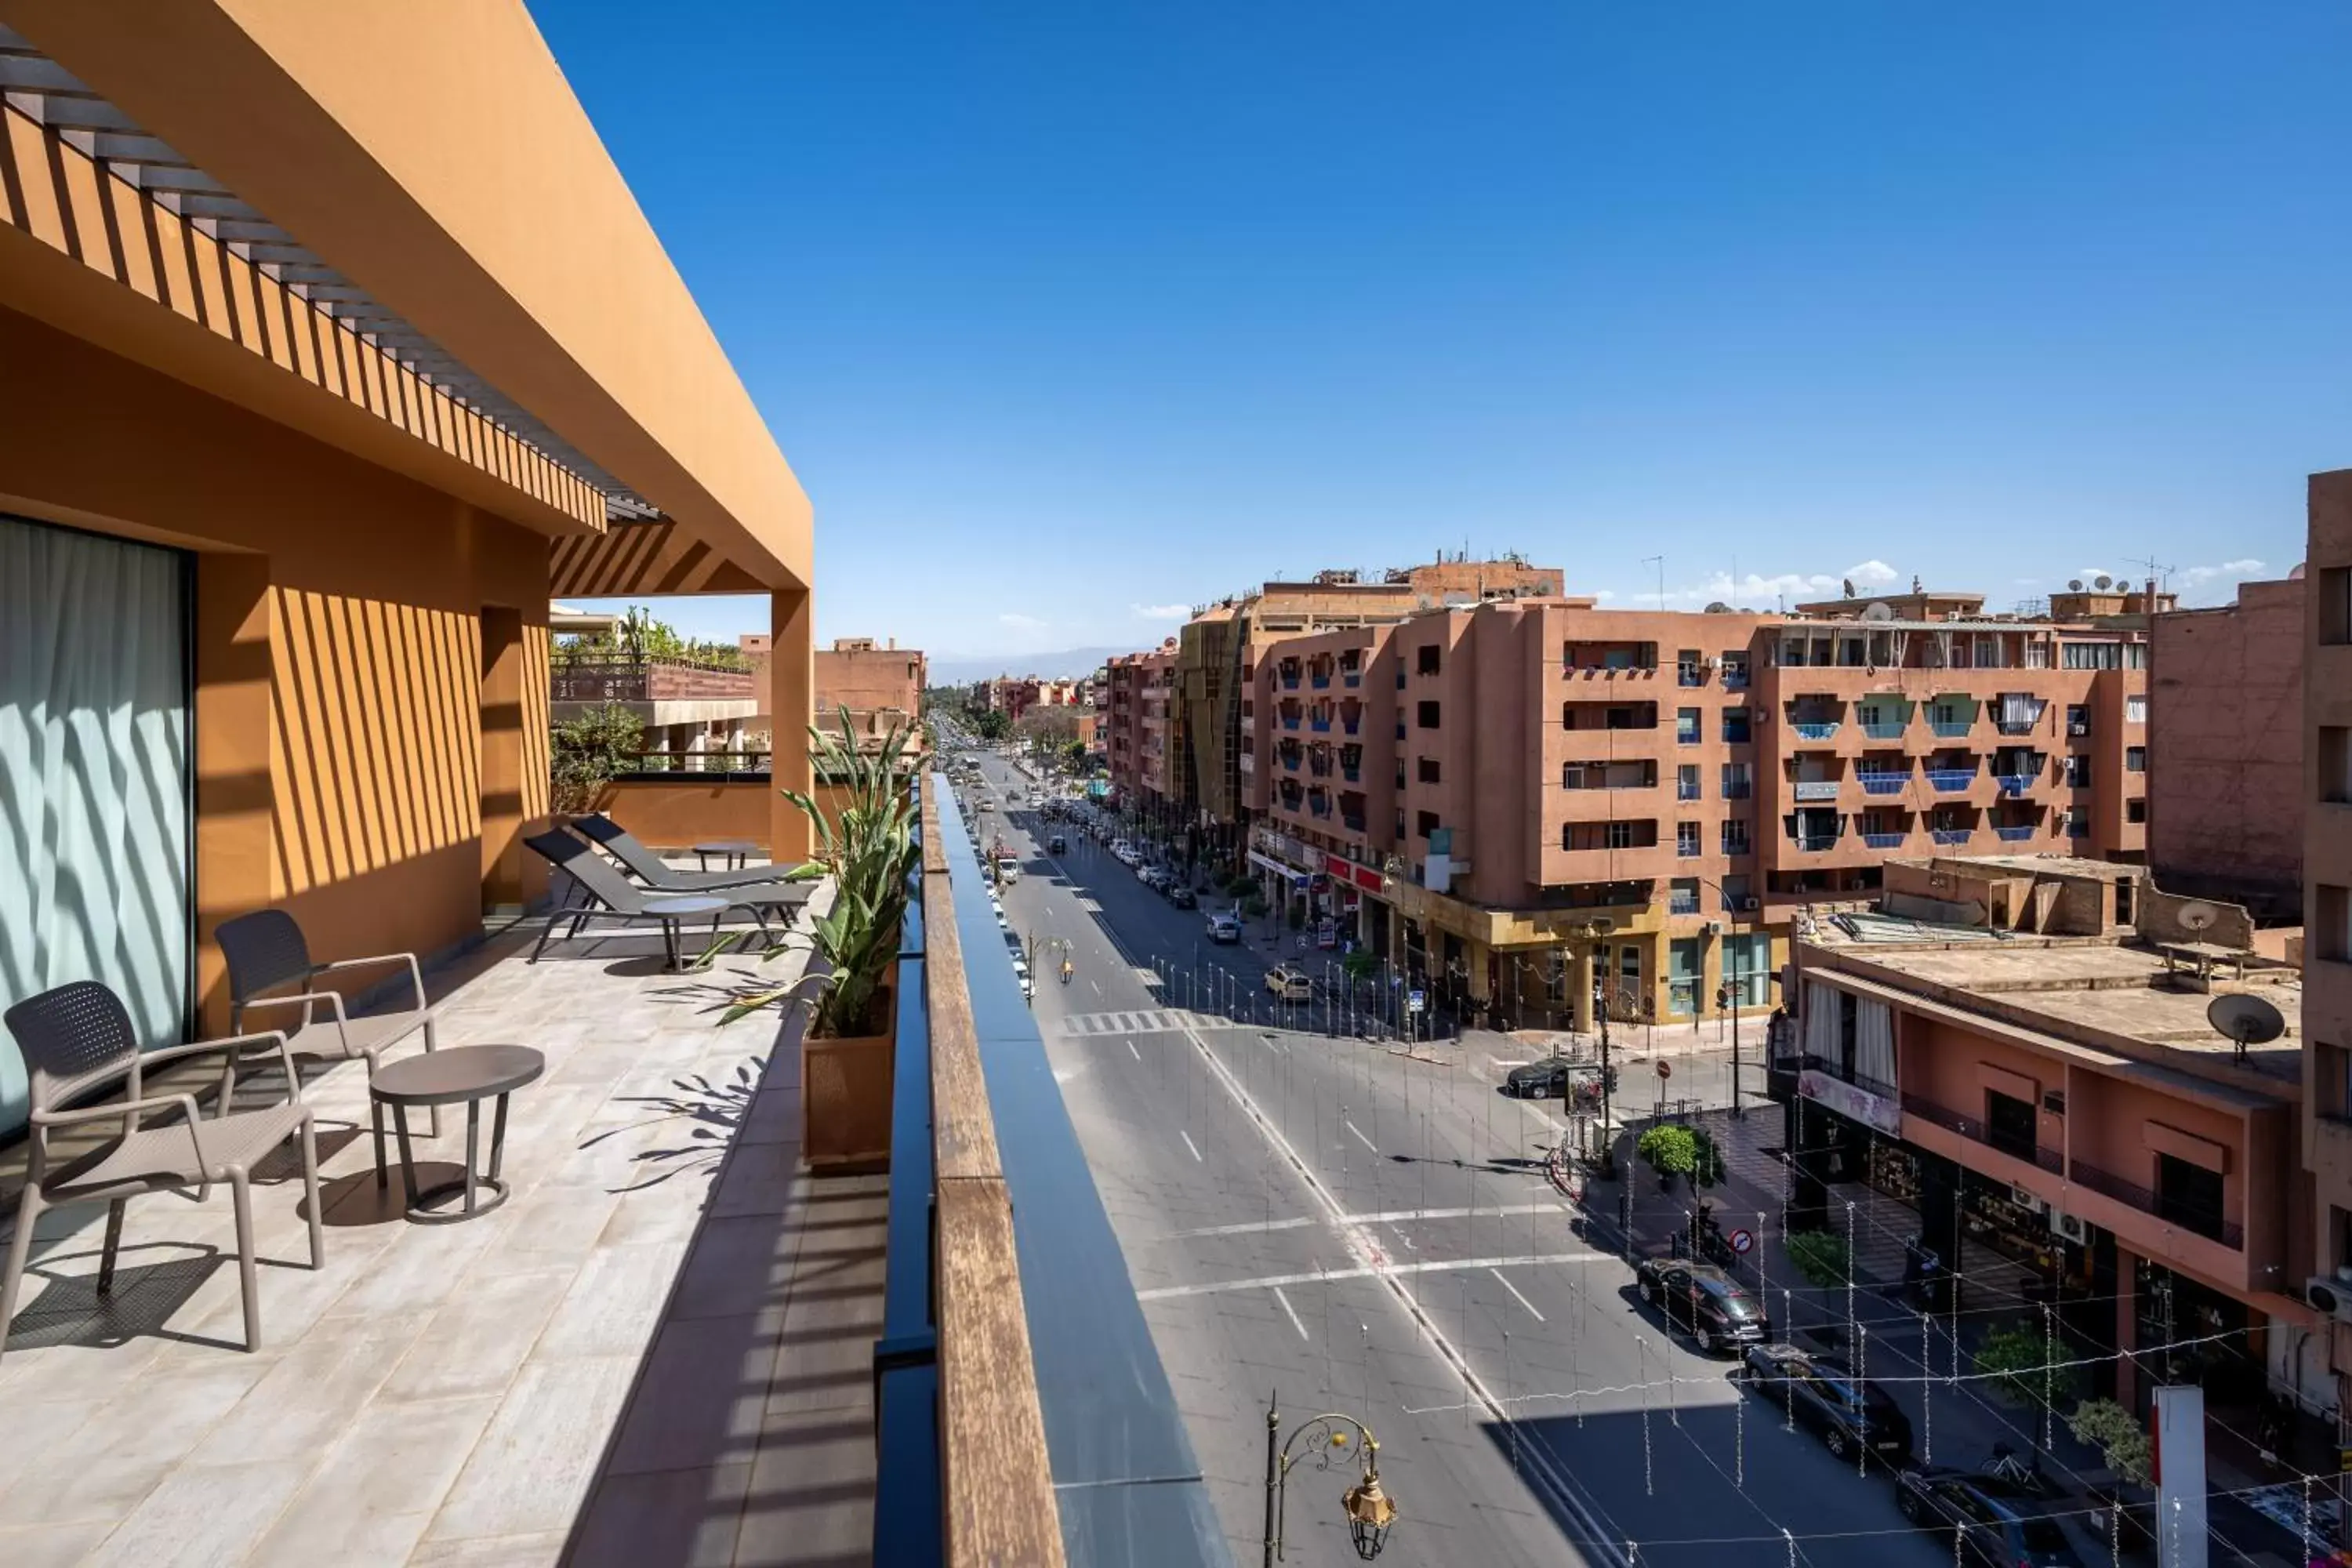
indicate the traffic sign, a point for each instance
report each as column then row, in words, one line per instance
column 1416, row 1000
column 1666, row 1068
column 1741, row 1241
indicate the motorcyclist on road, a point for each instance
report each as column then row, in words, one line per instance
column 1066, row 971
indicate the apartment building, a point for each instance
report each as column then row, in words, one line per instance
column 1533, row 800
column 2225, row 779
column 2060, row 1117
column 1135, row 728
column 2327, row 886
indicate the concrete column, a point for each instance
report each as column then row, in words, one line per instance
column 1580, row 989
column 792, row 696
column 2127, row 1327
column 502, row 759
column 235, row 675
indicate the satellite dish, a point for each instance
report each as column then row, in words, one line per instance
column 2249, row 1020
column 2106, row 583
column 2296, row 574
column 1848, row 585
column 2073, row 585
column 1719, row 608
column 1879, row 611
column 2198, row 915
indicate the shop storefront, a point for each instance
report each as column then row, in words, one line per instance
column 2188, row 1332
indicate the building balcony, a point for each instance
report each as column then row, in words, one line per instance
column 1352, row 823
column 1350, row 726
column 1952, row 729
column 1351, row 677
column 1884, row 840
column 2017, row 783
column 1320, row 726
column 1682, row 904
column 1952, row 836
column 2212, row 1227
column 1814, row 843
column 2078, row 827
column 1815, row 731
column 1976, row 1131
column 2015, row 835
column 1952, row 781
column 1289, row 720
column 1883, row 729
column 1884, row 783
column 1814, row 789
column 1319, row 682
column 1351, row 772
column 1319, row 808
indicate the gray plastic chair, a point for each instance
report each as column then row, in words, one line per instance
column 265, row 951
column 613, row 897
column 78, row 1037
column 658, row 874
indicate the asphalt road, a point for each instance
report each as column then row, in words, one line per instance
column 1363, row 1227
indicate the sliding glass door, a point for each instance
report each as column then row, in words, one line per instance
column 95, row 866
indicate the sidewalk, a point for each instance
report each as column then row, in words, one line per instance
column 1913, row 1354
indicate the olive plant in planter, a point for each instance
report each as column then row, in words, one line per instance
column 866, row 844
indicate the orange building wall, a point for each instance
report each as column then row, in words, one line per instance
column 341, row 722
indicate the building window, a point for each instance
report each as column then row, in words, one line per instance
column 1687, row 840
column 1687, row 726
column 1617, row 835
column 1400, row 822
column 1682, row 971
column 2188, row 1196
column 1400, row 783
column 2335, row 605
column 1734, row 670
column 2331, row 932
column 1688, row 670
column 1735, row 837
column 2010, row 1124
column 1738, row 782
column 2135, row 809
column 1735, row 894
column 1427, row 769
column 2135, row 759
column 2078, row 718
column 1735, row 726
column 1425, row 824
column 2134, row 709
column 1428, row 715
column 2334, row 763
column 2092, row 656
column 1682, row 897
column 2078, row 771
column 1425, row 659
column 1686, row 782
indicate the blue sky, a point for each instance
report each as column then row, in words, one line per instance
column 1068, row 315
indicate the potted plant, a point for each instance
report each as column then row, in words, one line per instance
column 1670, row 1150
column 845, row 1004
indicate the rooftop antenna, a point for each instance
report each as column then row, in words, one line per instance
column 2156, row 569
column 2248, row 1020
column 1660, row 562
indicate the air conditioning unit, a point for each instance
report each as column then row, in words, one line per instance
column 2025, row 1200
column 2072, row 1226
column 2330, row 1295
column 1751, row 902
column 1714, row 928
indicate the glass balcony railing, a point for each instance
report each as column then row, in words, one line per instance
column 1952, row 835
column 1690, row 675
column 1739, row 789
column 1682, row 904
column 1815, row 729
column 1352, row 823
column 2015, row 835
column 1289, row 682
column 1883, row 729
column 2202, row 1221
column 1686, row 850
column 1686, row 735
column 1815, row 842
column 1733, row 680
column 1952, row 781
column 1816, row 789
column 1351, row 773
column 1290, row 720
column 2016, row 784
column 1685, row 790
column 2015, row 726
column 1884, row 783
column 1350, row 726
column 1351, row 677
column 1319, row 682
column 1951, row 728
column 1884, row 840
column 1320, row 726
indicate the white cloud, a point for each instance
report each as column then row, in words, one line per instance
column 1021, row 623
column 1871, row 574
column 1162, row 612
column 2196, row 577
column 1762, row 590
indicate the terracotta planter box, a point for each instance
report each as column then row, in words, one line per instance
column 845, row 1090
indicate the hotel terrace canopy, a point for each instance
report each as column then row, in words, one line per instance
column 334, row 347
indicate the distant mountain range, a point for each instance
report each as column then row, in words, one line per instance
column 1067, row 664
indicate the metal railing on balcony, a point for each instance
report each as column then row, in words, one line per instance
column 1976, row 1131
column 1886, row 840
column 1021, row 1412
column 1861, row 1081
column 2016, row 783
column 1319, row 682
column 1948, row 836
column 1290, row 720
column 718, row 766
column 2195, row 1219
column 1289, row 679
column 1351, row 677
column 1952, row 781
column 1885, row 783
column 1350, row 726
column 2014, row 834
column 1682, row 904
column 1813, row 843
column 1320, row 726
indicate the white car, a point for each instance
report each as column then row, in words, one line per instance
column 1224, row 928
column 1156, row 877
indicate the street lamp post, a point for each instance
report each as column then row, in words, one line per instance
column 1368, row 1511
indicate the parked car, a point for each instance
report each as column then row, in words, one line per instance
column 1289, row 984
column 1224, row 927
column 1057, row 844
column 1182, row 896
column 1557, row 1078
column 1154, row 876
column 1008, row 868
column 1822, row 1396
column 2001, row 1522
column 1703, row 1302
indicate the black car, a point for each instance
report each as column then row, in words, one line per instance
column 1703, row 1302
column 1823, row 1394
column 2001, row 1522
column 1182, row 896
column 1057, row 844
column 1558, row 1078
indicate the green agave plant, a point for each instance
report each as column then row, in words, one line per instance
column 867, row 844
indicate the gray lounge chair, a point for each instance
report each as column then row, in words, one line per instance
column 78, row 1037
column 613, row 897
column 654, row 872
column 265, row 951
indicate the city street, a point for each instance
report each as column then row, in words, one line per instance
column 1366, row 1228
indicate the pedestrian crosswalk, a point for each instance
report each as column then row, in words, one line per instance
column 1148, row 1021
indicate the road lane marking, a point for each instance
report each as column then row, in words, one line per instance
column 1097, row 985
column 1385, row 1268
column 1503, row 1280
column 1359, row 1136
column 1190, row 1144
column 1384, row 1217
column 1292, row 1310
column 1133, row 1052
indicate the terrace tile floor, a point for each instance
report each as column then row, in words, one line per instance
column 657, row 1353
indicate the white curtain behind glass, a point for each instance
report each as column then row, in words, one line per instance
column 1874, row 1041
column 93, row 779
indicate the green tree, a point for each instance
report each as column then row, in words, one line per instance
column 2104, row 1425
column 2017, row 1359
column 588, row 751
column 990, row 725
column 1668, row 1149
column 1821, row 1257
